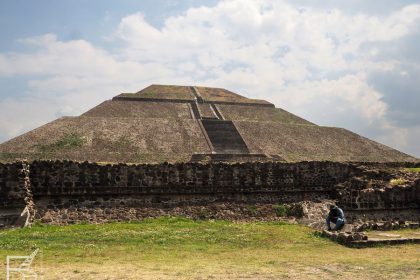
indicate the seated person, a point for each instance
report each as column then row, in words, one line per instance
column 335, row 216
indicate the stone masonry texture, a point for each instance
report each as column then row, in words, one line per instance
column 66, row 192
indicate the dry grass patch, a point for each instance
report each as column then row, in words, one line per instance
column 398, row 182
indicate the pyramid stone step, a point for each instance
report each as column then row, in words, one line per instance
column 228, row 157
column 224, row 137
column 227, row 150
column 220, row 127
column 231, row 144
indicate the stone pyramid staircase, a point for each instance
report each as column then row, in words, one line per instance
column 224, row 136
column 224, row 139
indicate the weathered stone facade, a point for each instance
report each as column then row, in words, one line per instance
column 12, row 185
column 67, row 192
column 173, row 183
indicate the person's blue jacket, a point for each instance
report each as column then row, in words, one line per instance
column 336, row 216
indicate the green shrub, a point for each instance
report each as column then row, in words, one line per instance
column 290, row 210
column 203, row 214
column 70, row 140
column 295, row 210
column 252, row 208
column 281, row 210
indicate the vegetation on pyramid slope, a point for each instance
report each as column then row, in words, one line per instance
column 110, row 140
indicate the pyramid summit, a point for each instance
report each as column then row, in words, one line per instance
column 183, row 123
column 190, row 93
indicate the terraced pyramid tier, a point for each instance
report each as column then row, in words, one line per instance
column 174, row 123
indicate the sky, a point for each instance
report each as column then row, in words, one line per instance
column 351, row 64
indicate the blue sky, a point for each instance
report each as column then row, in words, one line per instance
column 352, row 64
column 79, row 19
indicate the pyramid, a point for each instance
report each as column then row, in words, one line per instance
column 183, row 123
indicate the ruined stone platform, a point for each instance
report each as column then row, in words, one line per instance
column 231, row 157
column 372, row 238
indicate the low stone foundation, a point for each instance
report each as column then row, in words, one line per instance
column 381, row 215
column 386, row 225
column 361, row 239
column 217, row 211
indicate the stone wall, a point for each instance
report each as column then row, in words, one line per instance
column 12, row 186
column 243, row 181
column 66, row 191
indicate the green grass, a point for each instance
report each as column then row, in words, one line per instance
column 173, row 232
column 182, row 248
column 416, row 169
column 68, row 141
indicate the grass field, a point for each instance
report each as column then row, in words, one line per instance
column 176, row 248
column 414, row 169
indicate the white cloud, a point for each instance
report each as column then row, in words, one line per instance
column 311, row 61
column 348, row 95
